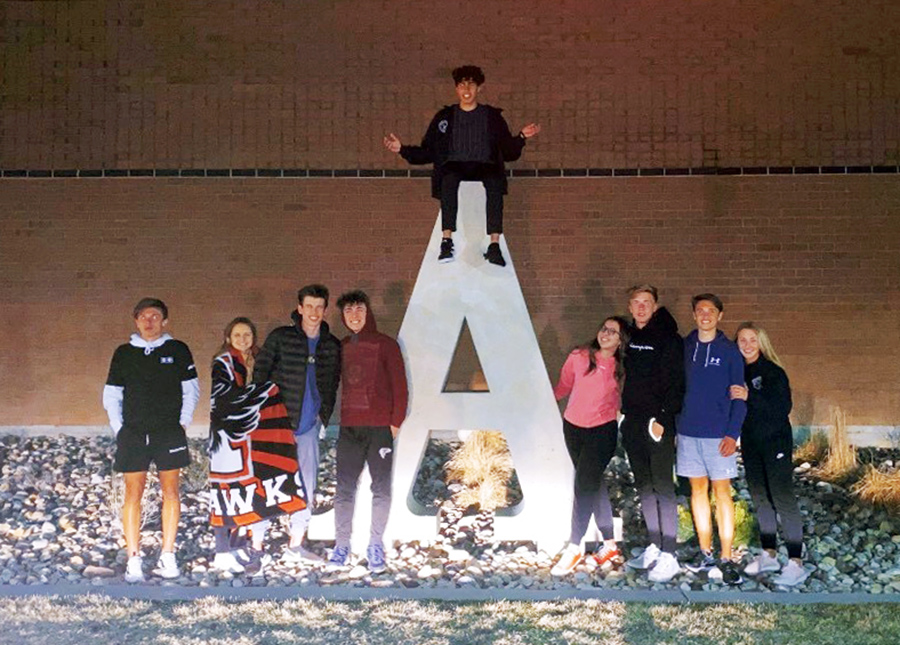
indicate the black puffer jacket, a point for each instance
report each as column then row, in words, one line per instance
column 654, row 370
column 284, row 358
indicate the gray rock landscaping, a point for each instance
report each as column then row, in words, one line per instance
column 59, row 525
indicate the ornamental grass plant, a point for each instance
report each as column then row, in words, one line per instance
column 840, row 463
column 483, row 466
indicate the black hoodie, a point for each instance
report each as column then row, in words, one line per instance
column 284, row 358
column 768, row 402
column 654, row 370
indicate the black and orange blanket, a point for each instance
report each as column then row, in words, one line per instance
column 253, row 473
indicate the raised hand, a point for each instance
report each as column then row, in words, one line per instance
column 530, row 130
column 392, row 143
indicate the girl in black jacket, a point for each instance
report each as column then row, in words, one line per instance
column 767, row 442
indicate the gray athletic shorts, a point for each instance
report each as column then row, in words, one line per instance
column 698, row 457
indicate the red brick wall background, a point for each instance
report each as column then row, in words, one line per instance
column 813, row 259
column 316, row 83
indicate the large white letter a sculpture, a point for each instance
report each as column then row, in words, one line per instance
column 520, row 400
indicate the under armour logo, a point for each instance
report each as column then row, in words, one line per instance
column 167, row 360
column 384, row 452
column 443, row 125
column 715, row 360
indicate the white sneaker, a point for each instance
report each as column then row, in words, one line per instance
column 227, row 562
column 134, row 570
column 569, row 558
column 167, row 567
column 301, row 555
column 665, row 569
column 762, row 563
column 646, row 559
column 792, row 575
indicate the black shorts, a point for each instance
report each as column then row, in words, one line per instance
column 136, row 449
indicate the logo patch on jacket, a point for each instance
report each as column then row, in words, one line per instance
column 443, row 125
column 167, row 360
column 757, row 383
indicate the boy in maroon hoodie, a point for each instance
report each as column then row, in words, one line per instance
column 373, row 405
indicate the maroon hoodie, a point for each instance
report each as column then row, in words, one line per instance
column 374, row 378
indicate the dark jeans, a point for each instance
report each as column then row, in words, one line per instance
column 652, row 464
column 770, row 478
column 591, row 450
column 356, row 447
column 456, row 171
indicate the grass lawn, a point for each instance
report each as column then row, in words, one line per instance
column 100, row 620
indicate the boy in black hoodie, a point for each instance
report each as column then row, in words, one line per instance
column 652, row 396
column 467, row 142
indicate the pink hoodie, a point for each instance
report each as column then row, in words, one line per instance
column 594, row 397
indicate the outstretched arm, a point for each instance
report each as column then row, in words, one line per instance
column 530, row 130
column 422, row 153
column 392, row 143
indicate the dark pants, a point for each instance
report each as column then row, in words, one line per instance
column 356, row 447
column 456, row 171
column 228, row 539
column 770, row 478
column 591, row 450
column 652, row 464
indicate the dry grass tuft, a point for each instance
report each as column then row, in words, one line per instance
column 812, row 450
column 879, row 486
column 195, row 476
column 840, row 461
column 483, row 465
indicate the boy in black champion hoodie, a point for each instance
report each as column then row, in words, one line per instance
column 652, row 396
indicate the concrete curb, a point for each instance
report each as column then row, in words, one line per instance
column 350, row 594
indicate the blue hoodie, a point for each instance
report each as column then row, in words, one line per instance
column 710, row 370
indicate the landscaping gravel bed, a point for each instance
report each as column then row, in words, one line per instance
column 59, row 524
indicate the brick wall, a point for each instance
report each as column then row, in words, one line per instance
column 304, row 84
column 316, row 83
column 814, row 259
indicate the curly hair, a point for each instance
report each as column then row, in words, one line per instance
column 468, row 73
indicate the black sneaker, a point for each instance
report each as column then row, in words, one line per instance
column 703, row 563
column 731, row 574
column 446, row 254
column 494, row 256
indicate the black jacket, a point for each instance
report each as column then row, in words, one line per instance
column 284, row 358
column 654, row 370
column 768, row 402
column 438, row 140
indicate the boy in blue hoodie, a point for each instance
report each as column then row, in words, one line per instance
column 708, row 428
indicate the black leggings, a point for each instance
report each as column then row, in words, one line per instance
column 456, row 171
column 591, row 450
column 770, row 478
column 652, row 464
